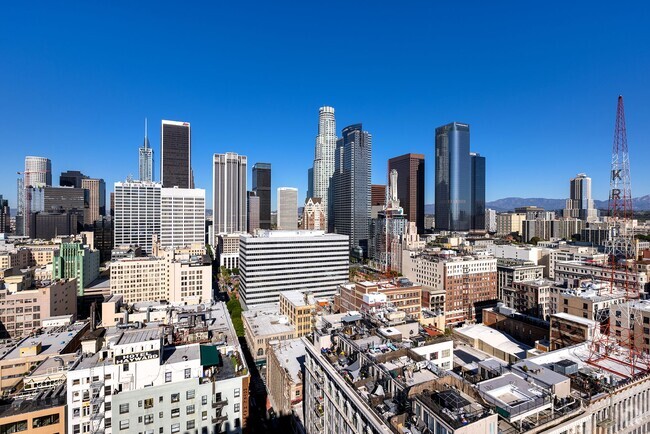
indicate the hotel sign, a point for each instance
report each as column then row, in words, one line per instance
column 136, row 357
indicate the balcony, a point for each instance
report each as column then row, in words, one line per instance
column 220, row 419
column 220, row 404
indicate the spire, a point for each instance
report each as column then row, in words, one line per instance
column 146, row 138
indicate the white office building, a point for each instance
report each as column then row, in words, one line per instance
column 137, row 213
column 275, row 261
column 230, row 197
column 182, row 217
column 287, row 208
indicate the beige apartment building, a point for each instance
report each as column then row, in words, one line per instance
column 403, row 294
column 262, row 326
column 17, row 258
column 299, row 308
column 23, row 311
column 508, row 223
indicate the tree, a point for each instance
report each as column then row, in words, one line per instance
column 534, row 240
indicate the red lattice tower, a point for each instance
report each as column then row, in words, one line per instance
column 621, row 260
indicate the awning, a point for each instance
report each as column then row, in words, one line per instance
column 210, row 356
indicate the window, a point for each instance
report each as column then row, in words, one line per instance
column 190, row 409
column 148, row 403
column 176, row 397
column 125, row 367
column 204, row 400
column 176, row 427
column 124, row 424
column 13, row 427
column 176, row 412
column 124, row 408
column 168, row 377
column 188, row 372
column 237, row 393
column 236, row 407
column 191, row 424
column 190, row 394
column 148, row 419
column 204, row 415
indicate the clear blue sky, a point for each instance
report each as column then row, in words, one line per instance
column 538, row 83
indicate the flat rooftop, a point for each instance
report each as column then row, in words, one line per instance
column 577, row 319
column 494, row 338
column 291, row 356
column 264, row 323
column 53, row 340
column 297, row 298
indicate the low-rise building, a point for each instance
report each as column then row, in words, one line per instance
column 567, row 330
column 401, row 293
column 299, row 307
column 262, row 326
column 284, row 374
column 492, row 342
column 228, row 250
column 524, row 328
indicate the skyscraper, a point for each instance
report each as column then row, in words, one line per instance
column 310, row 182
column 262, row 188
column 145, row 158
column 478, row 192
column 352, row 187
column 410, row 186
column 580, row 204
column 253, row 221
column 287, row 208
column 137, row 213
column 175, row 154
column 71, row 178
column 323, row 168
column 229, row 210
column 182, row 219
column 38, row 172
column 96, row 200
column 5, row 216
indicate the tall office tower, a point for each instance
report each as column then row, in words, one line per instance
column 145, row 158
column 182, row 220
column 580, row 205
column 253, row 221
column 229, row 210
column 137, row 213
column 478, row 192
column 262, row 188
column 96, row 200
column 410, row 186
column 310, row 182
column 175, row 154
column 287, row 208
column 454, row 180
column 71, row 178
column 323, row 168
column 38, row 172
column 5, row 216
column 276, row 261
column 352, row 192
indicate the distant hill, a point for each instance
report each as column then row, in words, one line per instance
column 510, row 203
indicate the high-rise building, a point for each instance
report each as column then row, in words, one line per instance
column 323, row 168
column 274, row 261
column 410, row 186
column 145, row 158
column 175, row 154
column 313, row 216
column 460, row 181
column 287, row 208
column 5, row 216
column 352, row 187
column 182, row 221
column 71, row 178
column 137, row 213
column 253, row 221
column 580, row 204
column 96, row 199
column 377, row 195
column 453, row 183
column 229, row 211
column 38, row 172
column 76, row 261
column 310, row 182
column 478, row 192
column 262, row 188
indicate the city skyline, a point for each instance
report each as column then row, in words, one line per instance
column 554, row 93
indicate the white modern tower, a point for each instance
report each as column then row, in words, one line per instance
column 287, row 208
column 324, row 157
column 229, row 204
column 38, row 172
column 182, row 220
column 137, row 213
column 145, row 160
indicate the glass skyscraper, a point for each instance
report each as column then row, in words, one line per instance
column 478, row 192
column 453, row 181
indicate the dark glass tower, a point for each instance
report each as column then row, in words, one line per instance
column 175, row 154
column 352, row 194
column 410, row 186
column 71, row 178
column 262, row 188
column 478, row 192
column 453, row 180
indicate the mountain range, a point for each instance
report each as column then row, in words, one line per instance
column 510, row 203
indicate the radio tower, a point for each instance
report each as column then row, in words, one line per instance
column 621, row 256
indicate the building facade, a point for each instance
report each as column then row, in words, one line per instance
column 76, row 261
column 262, row 188
column 137, row 213
column 324, row 161
column 175, row 154
column 314, row 216
column 287, row 208
column 410, row 186
column 253, row 220
column 580, row 205
column 229, row 211
column 182, row 221
column 96, row 200
column 275, row 261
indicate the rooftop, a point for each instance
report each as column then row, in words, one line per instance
column 291, row 356
column 297, row 298
column 494, row 338
column 576, row 319
column 264, row 323
column 53, row 341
